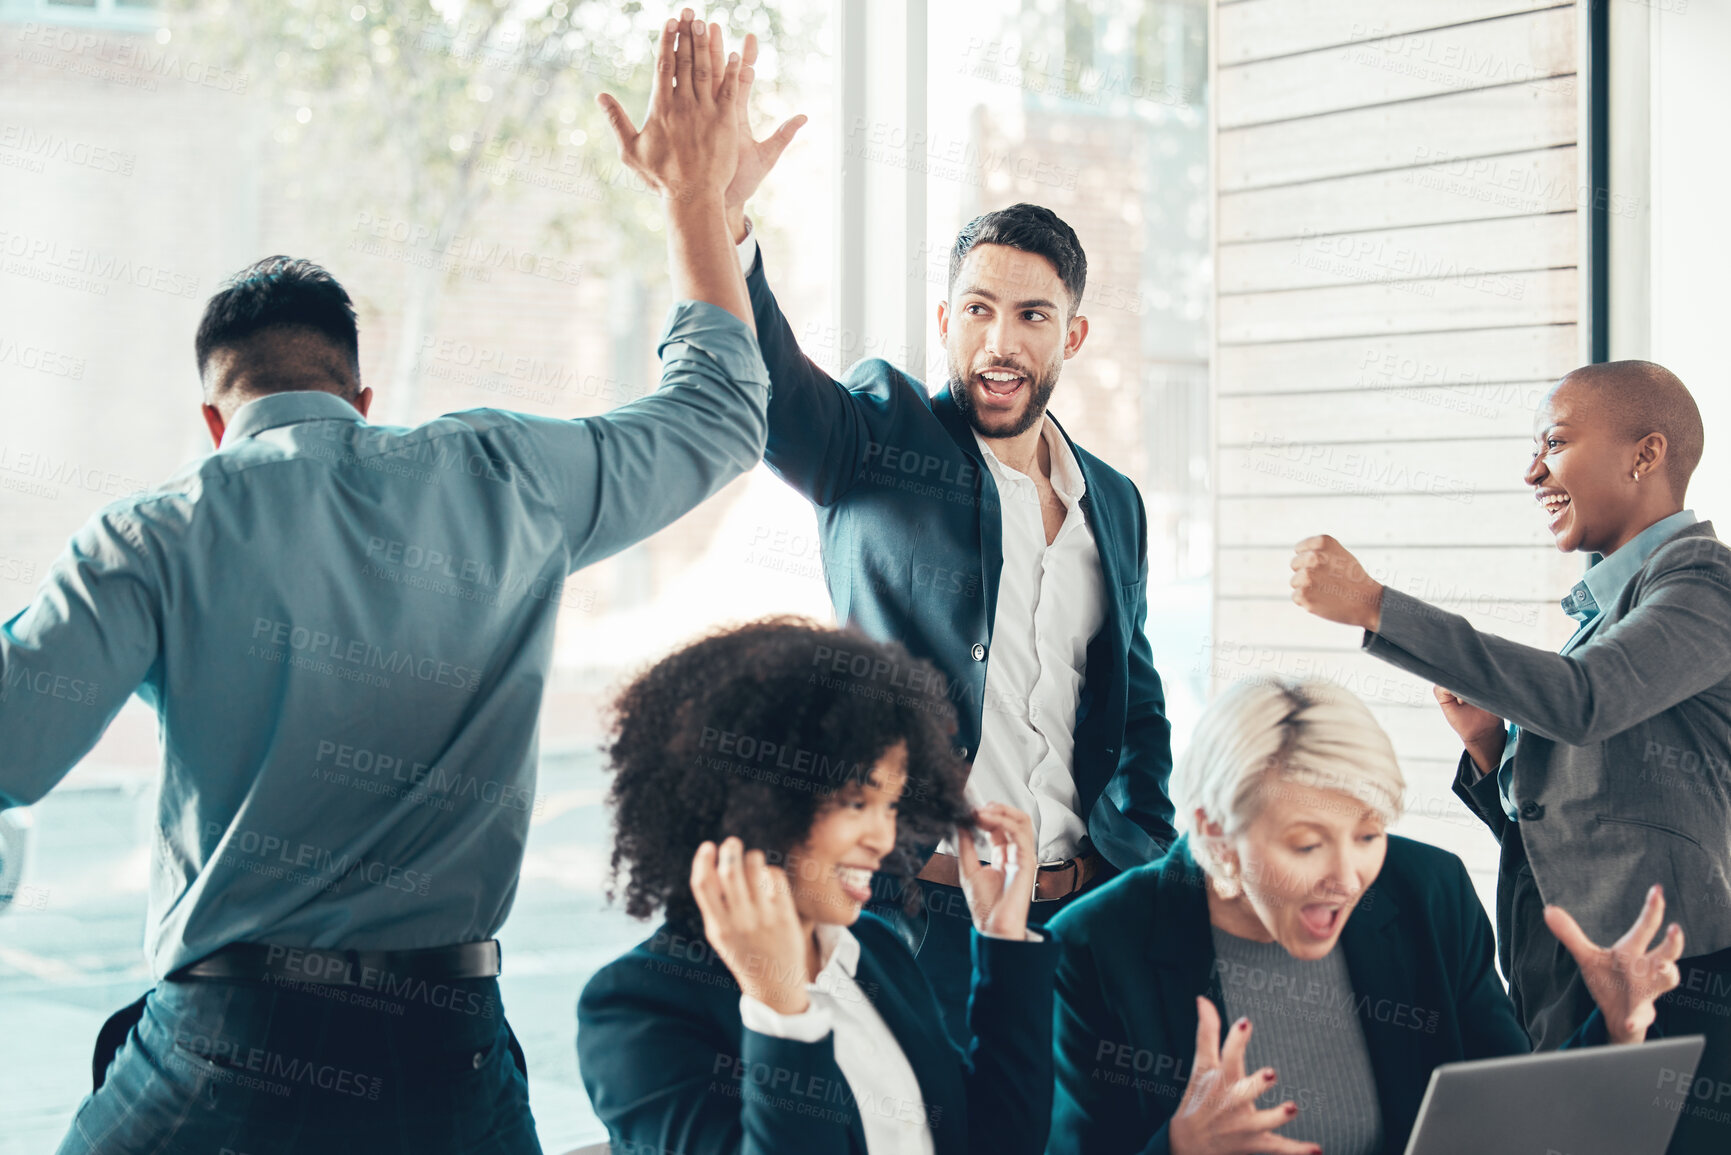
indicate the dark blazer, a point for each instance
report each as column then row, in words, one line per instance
column 912, row 540
column 1138, row 951
column 671, row 1069
column 1623, row 769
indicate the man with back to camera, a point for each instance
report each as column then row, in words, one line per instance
column 345, row 631
column 970, row 528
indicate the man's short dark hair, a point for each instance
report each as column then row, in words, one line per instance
column 279, row 292
column 1032, row 229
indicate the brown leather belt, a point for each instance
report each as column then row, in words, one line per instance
column 1056, row 879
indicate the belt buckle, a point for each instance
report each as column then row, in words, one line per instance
column 1071, row 864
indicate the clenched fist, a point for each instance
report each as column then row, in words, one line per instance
column 1329, row 582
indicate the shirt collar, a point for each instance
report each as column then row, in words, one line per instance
column 1603, row 584
column 839, row 947
column 276, row 409
column 1067, row 479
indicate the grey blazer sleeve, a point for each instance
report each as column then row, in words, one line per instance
column 1674, row 642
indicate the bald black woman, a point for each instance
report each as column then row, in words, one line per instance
column 1606, row 767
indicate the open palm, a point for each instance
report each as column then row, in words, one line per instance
column 756, row 157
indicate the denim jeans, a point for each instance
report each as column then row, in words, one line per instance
column 231, row 1068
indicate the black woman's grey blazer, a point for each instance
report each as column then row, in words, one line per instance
column 1622, row 774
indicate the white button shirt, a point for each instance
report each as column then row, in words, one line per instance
column 1051, row 603
column 891, row 1106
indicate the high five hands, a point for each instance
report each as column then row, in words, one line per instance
column 688, row 147
column 697, row 85
column 756, row 157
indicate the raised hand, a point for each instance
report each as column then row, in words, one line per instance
column 999, row 892
column 1625, row 977
column 688, row 146
column 1218, row 1114
column 1329, row 582
column 1481, row 732
column 756, row 157
column 750, row 920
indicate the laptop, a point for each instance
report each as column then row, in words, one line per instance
column 1592, row 1101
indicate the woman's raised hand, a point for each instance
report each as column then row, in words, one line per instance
column 999, row 892
column 1218, row 1114
column 750, row 920
column 1625, row 977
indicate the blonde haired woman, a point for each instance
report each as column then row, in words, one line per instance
column 1348, row 961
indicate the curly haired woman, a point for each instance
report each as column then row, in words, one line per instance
column 762, row 776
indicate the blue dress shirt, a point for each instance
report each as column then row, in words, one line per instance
column 345, row 631
column 1601, row 586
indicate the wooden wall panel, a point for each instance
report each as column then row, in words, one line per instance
column 1478, row 362
column 1318, row 259
column 1378, row 520
column 1480, row 301
column 1429, row 190
column 1398, row 234
column 1257, row 29
column 1530, row 47
column 1450, row 577
column 1481, row 122
column 1400, row 413
column 1278, row 618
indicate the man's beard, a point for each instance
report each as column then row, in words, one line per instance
column 1039, row 390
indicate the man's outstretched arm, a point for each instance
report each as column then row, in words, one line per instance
column 821, row 434
column 70, row 660
column 619, row 478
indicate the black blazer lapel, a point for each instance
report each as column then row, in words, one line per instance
column 935, row 1060
column 986, row 503
column 1385, row 981
column 1098, row 515
column 1184, row 948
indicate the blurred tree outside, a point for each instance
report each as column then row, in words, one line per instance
column 455, row 105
